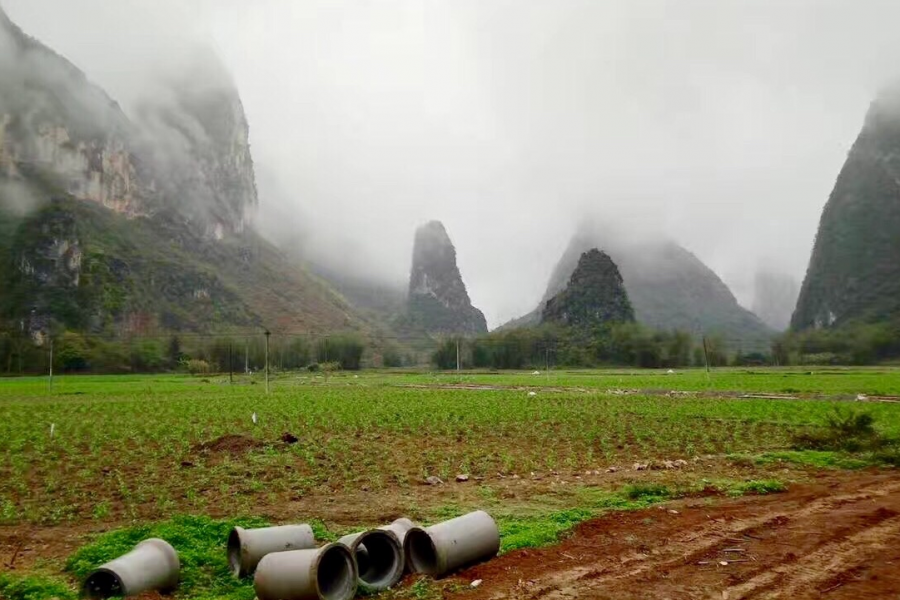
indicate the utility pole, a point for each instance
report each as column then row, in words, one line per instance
column 268, row 333
column 230, row 363
column 706, row 356
column 246, row 356
column 51, row 365
column 457, row 355
column 547, row 351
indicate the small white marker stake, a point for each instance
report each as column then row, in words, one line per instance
column 52, row 429
column 254, row 418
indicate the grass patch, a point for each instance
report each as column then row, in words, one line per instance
column 200, row 542
column 542, row 530
column 760, row 487
column 33, row 587
column 648, row 492
column 735, row 489
column 820, row 459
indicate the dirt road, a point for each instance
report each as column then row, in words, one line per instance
column 838, row 538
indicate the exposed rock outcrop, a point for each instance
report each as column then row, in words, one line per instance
column 854, row 271
column 595, row 295
column 438, row 300
column 109, row 225
column 56, row 127
column 188, row 152
column 195, row 130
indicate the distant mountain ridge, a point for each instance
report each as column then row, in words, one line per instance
column 668, row 286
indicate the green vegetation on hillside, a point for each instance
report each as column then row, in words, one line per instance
column 854, row 271
column 109, row 288
column 594, row 297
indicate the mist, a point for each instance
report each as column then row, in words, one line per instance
column 721, row 125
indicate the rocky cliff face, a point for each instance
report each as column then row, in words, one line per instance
column 669, row 288
column 594, row 296
column 854, row 271
column 195, row 130
column 438, row 300
column 187, row 153
column 114, row 225
column 58, row 128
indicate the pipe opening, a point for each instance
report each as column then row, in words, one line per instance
column 382, row 559
column 335, row 576
column 362, row 559
column 234, row 553
column 421, row 552
column 103, row 583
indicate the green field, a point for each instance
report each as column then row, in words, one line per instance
column 132, row 451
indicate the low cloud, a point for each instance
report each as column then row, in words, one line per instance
column 722, row 125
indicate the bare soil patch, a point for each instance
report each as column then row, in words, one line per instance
column 835, row 538
column 228, row 444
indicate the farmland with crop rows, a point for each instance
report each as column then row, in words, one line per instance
column 94, row 463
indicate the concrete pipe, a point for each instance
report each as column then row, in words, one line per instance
column 400, row 528
column 327, row 573
column 152, row 565
column 443, row 548
column 379, row 558
column 246, row 547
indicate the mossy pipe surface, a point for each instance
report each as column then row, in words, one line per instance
column 445, row 547
column 152, row 565
column 246, row 547
column 327, row 573
column 379, row 558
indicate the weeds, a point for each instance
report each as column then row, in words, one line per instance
column 846, row 431
column 851, row 433
column 200, row 542
column 648, row 492
column 760, row 487
column 13, row 587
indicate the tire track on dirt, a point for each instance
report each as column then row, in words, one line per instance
column 676, row 554
column 829, row 561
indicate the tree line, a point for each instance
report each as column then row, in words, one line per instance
column 23, row 353
column 624, row 344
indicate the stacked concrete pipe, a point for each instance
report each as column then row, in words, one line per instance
column 246, row 547
column 327, row 573
column 445, row 547
column 379, row 557
column 400, row 528
column 152, row 565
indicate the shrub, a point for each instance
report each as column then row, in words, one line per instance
column 72, row 353
column 845, row 430
column 196, row 366
column 346, row 350
column 392, row 358
column 444, row 357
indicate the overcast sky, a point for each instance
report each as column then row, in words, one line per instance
column 720, row 123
